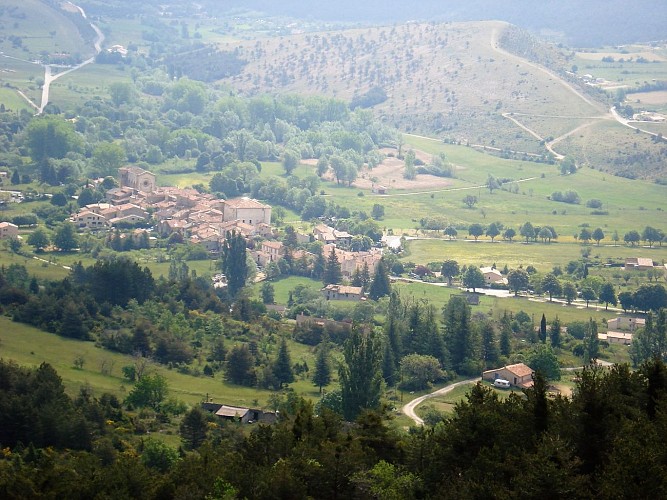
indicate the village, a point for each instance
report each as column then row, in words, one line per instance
column 202, row 219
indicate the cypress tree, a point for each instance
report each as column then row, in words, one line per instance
column 543, row 329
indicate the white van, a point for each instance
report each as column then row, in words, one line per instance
column 501, row 383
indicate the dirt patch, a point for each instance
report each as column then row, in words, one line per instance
column 657, row 97
column 389, row 174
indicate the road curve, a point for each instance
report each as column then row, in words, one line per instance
column 409, row 408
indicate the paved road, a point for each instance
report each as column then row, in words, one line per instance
column 409, row 408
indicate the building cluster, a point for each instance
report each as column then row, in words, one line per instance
column 197, row 217
column 620, row 330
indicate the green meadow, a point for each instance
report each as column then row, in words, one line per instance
column 102, row 369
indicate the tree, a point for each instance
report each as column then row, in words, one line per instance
column 458, row 332
column 492, row 231
column 473, row 278
column 554, row 333
column 107, row 158
column 475, row 230
column 51, row 137
column 490, row 353
column 632, row 237
column 194, row 428
column 543, row 329
column 527, row 231
column 544, row 360
column 332, row 273
column 627, row 300
column 470, row 200
column 569, row 292
column 418, row 371
column 598, row 235
column 410, row 171
column 380, row 286
column 591, row 342
column 509, row 234
column 588, row 294
column 234, row 265
column 551, row 285
column 121, row 93
column 608, row 295
column 585, row 235
column 322, row 375
column 518, row 280
column 290, row 160
column 451, row 232
column 282, row 368
column 65, row 238
column 545, row 234
column 240, row 363
column 450, row 269
column 149, row 391
column 268, row 293
column 493, row 183
column 378, row 211
column 650, row 235
column 16, row 178
column 360, row 375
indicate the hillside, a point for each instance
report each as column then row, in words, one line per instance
column 488, row 83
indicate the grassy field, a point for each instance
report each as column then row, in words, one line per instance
column 29, row 346
column 89, row 82
column 41, row 28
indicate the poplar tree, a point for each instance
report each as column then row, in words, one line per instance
column 234, row 265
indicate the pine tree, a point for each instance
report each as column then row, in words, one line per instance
column 319, row 266
column 360, row 375
column 332, row 273
column 322, row 375
column 194, row 428
column 490, row 352
column 282, row 368
column 380, row 285
column 459, row 336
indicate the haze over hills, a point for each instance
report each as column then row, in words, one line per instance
column 587, row 23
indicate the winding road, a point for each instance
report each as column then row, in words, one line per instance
column 409, row 408
column 50, row 77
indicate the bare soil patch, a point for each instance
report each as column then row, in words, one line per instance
column 657, row 97
column 389, row 174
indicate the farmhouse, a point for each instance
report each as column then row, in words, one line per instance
column 623, row 338
column 638, row 264
column 518, row 375
column 239, row 413
column 342, row 292
column 493, row 276
column 269, row 251
column 625, row 323
column 8, row 230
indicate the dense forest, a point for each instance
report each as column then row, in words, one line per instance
column 606, row 441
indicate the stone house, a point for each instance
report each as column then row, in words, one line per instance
column 518, row 375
